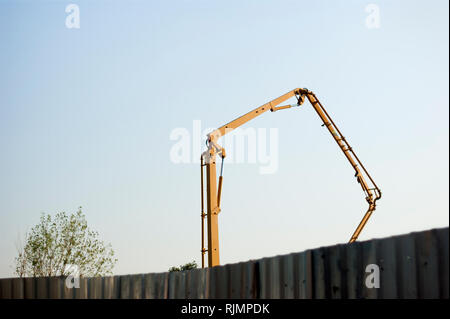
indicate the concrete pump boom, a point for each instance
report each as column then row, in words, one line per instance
column 213, row 192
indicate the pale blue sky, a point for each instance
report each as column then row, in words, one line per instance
column 85, row 119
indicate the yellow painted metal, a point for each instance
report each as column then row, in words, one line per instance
column 209, row 156
column 203, row 215
column 372, row 194
column 212, row 214
column 227, row 128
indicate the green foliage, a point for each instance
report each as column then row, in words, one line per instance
column 188, row 266
column 64, row 240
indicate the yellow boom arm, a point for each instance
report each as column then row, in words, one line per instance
column 213, row 192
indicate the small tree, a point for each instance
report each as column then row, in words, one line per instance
column 54, row 244
column 188, row 266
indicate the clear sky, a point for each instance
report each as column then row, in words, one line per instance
column 86, row 115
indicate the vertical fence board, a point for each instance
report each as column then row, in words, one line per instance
column 300, row 265
column 196, row 284
column 156, row 286
column 387, row 262
column 305, row 274
column 42, row 288
column 355, row 275
column 30, row 288
column 369, row 256
column 68, row 292
column 319, row 275
column 108, row 287
column 181, row 286
column 218, row 279
column 95, row 288
column 334, row 284
column 116, row 287
column 177, row 285
column 443, row 252
column 236, row 280
column 427, row 265
column 249, row 278
column 406, row 267
column 264, row 273
column 241, row 280
column 149, row 286
column 275, row 277
column 125, row 287
column 137, row 286
column 163, row 286
column 338, row 272
column 270, row 284
column 55, row 287
column 82, row 292
column 287, row 282
column 223, row 282
column 18, row 288
column 6, row 288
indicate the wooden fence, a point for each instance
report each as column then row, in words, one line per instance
column 415, row 265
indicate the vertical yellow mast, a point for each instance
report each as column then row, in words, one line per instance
column 212, row 212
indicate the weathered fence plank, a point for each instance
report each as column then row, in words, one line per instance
column 6, row 288
column 427, row 264
column 42, row 288
column 30, row 288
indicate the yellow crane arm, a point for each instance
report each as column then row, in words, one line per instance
column 208, row 160
column 372, row 193
column 272, row 105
